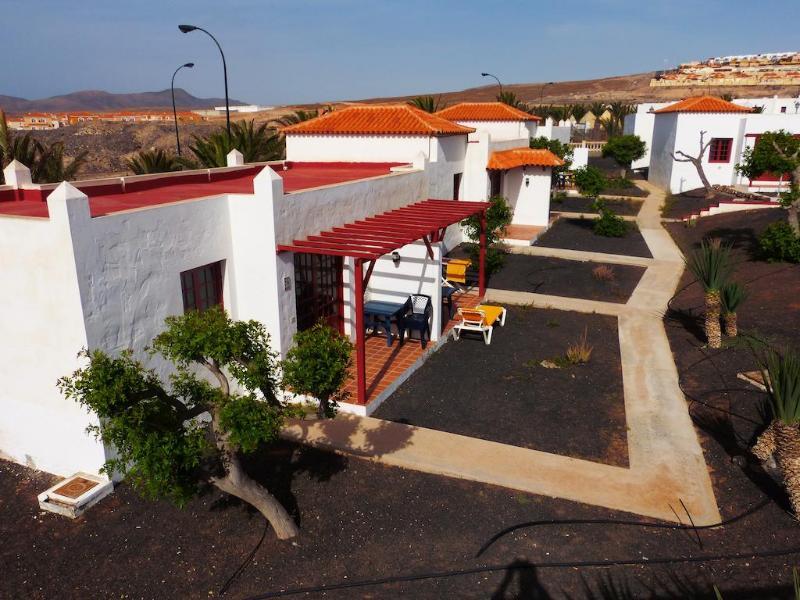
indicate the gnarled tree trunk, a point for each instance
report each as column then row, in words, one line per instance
column 713, row 310
column 697, row 161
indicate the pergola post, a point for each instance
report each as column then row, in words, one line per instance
column 361, row 370
column 482, row 257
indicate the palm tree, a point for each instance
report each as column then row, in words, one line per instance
column 51, row 164
column 782, row 437
column 578, row 110
column 510, row 98
column 597, row 109
column 732, row 296
column 14, row 147
column 428, row 103
column 256, row 145
column 155, row 160
column 296, row 117
column 711, row 266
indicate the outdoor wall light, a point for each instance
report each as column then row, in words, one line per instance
column 396, row 258
column 527, row 181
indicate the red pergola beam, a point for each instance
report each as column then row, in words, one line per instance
column 328, row 251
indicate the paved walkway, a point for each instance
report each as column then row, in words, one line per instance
column 666, row 463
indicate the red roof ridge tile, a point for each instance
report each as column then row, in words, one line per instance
column 485, row 111
column 704, row 104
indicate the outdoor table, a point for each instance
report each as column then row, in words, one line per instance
column 379, row 314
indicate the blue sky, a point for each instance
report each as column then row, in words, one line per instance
column 316, row 50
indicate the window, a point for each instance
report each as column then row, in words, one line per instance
column 456, row 185
column 202, row 287
column 495, row 183
column 783, row 109
column 720, row 150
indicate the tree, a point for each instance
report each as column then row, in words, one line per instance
column 560, row 149
column 697, row 161
column 256, row 144
column 153, row 161
column 624, row 149
column 777, row 152
column 781, row 439
column 298, row 116
column 732, row 295
column 711, row 267
column 427, row 103
column 318, row 365
column 511, row 99
column 498, row 217
column 161, row 445
column 590, row 181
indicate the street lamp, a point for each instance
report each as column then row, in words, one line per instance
column 175, row 110
column 187, row 29
column 496, row 79
column 541, row 91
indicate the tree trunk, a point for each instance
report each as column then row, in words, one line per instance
column 787, row 455
column 623, row 172
column 731, row 325
column 713, row 328
column 793, row 207
column 792, row 217
column 238, row 483
column 765, row 444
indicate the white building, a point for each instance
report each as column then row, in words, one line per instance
column 99, row 264
column 730, row 128
column 641, row 122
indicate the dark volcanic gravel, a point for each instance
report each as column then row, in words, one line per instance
column 577, row 234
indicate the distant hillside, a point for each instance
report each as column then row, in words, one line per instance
column 98, row 100
column 625, row 88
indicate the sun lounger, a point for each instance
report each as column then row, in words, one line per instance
column 481, row 319
column 457, row 270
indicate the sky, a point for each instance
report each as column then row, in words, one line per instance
column 303, row 51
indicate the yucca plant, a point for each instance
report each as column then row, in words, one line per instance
column 257, row 144
column 711, row 266
column 732, row 295
column 155, row 160
column 781, row 439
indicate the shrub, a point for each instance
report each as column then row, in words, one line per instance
column 779, row 243
column 498, row 217
column 495, row 257
column 590, row 181
column 609, row 224
column 603, row 273
column 618, row 183
column 579, row 352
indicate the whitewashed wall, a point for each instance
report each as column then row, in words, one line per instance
column 42, row 331
column 531, row 203
column 357, row 148
column 504, row 130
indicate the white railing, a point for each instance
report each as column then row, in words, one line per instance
column 592, row 146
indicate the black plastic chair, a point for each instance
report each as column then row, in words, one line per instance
column 417, row 317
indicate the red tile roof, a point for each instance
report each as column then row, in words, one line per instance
column 704, row 104
column 523, row 157
column 396, row 119
column 485, row 111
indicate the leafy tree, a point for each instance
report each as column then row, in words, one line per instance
column 711, row 267
column 318, row 365
column 560, row 149
column 428, row 103
column 590, row 181
column 777, row 152
column 153, row 161
column 296, row 117
column 511, row 99
column 161, row 445
column 257, row 144
column 624, row 149
column 498, row 217
column 781, row 439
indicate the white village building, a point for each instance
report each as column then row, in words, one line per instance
column 734, row 127
column 364, row 209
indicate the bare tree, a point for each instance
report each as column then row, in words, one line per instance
column 697, row 161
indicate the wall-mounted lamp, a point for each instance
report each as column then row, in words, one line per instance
column 527, row 181
column 396, row 258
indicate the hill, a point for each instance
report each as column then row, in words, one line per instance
column 625, row 88
column 98, row 100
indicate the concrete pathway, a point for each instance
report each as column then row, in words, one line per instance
column 666, row 463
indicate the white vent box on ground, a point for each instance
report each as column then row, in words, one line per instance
column 72, row 496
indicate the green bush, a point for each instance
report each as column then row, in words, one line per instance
column 779, row 243
column 618, row 183
column 590, row 181
column 609, row 224
column 495, row 257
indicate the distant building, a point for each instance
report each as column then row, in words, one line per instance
column 243, row 108
column 779, row 68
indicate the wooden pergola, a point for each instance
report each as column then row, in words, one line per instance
column 366, row 240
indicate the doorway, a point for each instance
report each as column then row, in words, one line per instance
column 318, row 291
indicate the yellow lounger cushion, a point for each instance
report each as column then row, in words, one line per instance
column 492, row 313
column 457, row 270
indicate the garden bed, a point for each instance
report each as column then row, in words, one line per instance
column 580, row 204
column 680, row 206
column 577, row 234
column 502, row 393
column 560, row 277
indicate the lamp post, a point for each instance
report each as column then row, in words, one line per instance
column 189, row 28
column 175, row 110
column 496, row 79
column 541, row 91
